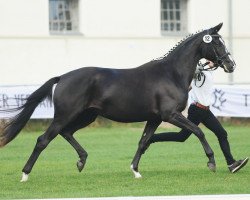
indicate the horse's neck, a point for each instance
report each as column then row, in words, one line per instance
column 188, row 57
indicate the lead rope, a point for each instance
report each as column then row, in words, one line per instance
column 200, row 75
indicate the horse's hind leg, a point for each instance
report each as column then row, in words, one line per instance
column 149, row 130
column 82, row 121
column 41, row 144
column 179, row 120
column 81, row 152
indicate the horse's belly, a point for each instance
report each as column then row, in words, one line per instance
column 127, row 113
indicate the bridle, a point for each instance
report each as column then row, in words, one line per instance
column 219, row 62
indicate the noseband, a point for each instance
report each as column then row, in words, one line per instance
column 219, row 59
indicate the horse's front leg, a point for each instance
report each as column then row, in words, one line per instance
column 179, row 120
column 149, row 130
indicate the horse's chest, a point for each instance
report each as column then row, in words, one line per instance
column 181, row 101
column 173, row 99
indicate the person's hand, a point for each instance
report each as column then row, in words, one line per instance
column 211, row 64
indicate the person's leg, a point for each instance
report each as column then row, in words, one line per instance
column 212, row 123
column 171, row 136
column 194, row 116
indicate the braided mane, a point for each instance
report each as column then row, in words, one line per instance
column 178, row 44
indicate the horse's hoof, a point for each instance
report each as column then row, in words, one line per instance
column 211, row 166
column 80, row 165
column 25, row 177
column 135, row 172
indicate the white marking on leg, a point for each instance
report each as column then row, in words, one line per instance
column 24, row 177
column 137, row 174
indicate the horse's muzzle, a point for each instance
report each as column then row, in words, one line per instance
column 228, row 69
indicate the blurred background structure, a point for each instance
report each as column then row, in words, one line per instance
column 40, row 39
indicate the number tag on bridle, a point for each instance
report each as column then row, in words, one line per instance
column 207, row 38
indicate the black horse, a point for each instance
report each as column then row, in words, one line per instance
column 154, row 92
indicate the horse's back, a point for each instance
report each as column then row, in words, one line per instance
column 93, row 82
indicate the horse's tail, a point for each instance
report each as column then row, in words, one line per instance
column 15, row 125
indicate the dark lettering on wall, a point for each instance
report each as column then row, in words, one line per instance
column 246, row 99
column 46, row 103
column 219, row 99
column 4, row 101
column 18, row 100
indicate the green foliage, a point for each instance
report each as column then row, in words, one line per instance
column 167, row 168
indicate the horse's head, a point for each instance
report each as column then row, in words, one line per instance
column 213, row 48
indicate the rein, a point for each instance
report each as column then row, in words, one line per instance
column 208, row 69
column 218, row 63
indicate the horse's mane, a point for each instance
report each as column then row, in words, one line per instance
column 181, row 42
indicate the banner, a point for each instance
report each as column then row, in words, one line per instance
column 231, row 100
column 14, row 96
column 228, row 101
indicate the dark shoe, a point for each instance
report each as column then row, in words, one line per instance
column 237, row 165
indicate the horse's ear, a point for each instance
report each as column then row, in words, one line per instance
column 216, row 29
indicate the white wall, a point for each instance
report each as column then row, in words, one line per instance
column 241, row 16
column 119, row 18
column 24, row 17
column 33, row 61
column 115, row 33
column 205, row 14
